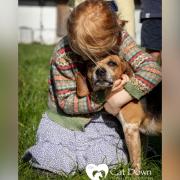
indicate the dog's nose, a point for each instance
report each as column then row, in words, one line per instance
column 100, row 72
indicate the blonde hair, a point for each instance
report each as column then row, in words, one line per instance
column 93, row 29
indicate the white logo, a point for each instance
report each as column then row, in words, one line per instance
column 95, row 172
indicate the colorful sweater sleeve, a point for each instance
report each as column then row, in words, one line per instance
column 63, row 86
column 147, row 70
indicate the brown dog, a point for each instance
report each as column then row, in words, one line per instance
column 136, row 116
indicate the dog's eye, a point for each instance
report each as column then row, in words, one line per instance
column 112, row 63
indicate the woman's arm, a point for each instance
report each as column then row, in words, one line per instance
column 147, row 70
column 63, row 87
column 147, row 75
column 116, row 101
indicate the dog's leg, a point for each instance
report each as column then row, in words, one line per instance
column 132, row 137
column 131, row 117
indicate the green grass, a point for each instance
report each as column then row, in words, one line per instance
column 33, row 90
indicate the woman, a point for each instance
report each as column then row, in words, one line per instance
column 66, row 142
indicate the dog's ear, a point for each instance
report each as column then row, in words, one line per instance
column 126, row 68
column 82, row 88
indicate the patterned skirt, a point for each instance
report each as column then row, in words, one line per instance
column 61, row 150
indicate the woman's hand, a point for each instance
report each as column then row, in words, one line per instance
column 118, row 96
column 120, row 82
column 118, row 85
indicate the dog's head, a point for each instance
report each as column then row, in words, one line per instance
column 102, row 75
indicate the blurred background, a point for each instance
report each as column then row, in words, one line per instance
column 10, row 27
column 44, row 21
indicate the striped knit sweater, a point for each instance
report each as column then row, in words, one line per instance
column 65, row 64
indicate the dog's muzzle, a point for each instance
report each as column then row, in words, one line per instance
column 102, row 79
column 101, row 73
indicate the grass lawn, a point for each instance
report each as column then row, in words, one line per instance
column 33, row 89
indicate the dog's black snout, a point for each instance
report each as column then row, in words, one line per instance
column 101, row 72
